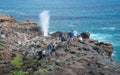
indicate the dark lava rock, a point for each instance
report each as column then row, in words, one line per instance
column 85, row 35
column 58, row 33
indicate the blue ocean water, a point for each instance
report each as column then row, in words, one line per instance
column 99, row 17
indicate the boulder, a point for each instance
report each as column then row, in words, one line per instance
column 59, row 53
column 85, row 35
column 57, row 34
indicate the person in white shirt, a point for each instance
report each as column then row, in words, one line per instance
column 75, row 33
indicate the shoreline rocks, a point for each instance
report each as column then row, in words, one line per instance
column 4, row 18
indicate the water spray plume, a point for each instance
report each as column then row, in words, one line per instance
column 44, row 20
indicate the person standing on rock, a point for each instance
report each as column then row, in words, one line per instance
column 75, row 33
column 71, row 35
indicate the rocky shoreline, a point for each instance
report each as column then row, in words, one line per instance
column 20, row 42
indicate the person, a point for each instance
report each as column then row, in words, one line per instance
column 45, row 52
column 49, row 48
column 42, row 54
column 62, row 38
column 75, row 33
column 80, row 39
column 71, row 35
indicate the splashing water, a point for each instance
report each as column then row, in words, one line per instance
column 44, row 20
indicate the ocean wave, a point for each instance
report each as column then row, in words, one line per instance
column 71, row 25
column 114, row 54
column 118, row 35
column 52, row 32
column 101, row 37
column 108, row 28
column 106, row 38
column 13, row 11
column 74, row 18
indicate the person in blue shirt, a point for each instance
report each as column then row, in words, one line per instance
column 49, row 48
column 71, row 35
column 44, row 53
column 62, row 38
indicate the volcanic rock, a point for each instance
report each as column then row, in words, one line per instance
column 4, row 18
column 25, row 40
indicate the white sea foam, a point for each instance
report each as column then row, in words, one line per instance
column 114, row 54
column 71, row 25
column 108, row 28
column 101, row 37
column 105, row 38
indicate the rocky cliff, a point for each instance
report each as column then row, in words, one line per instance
column 20, row 43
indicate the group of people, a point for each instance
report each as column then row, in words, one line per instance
column 73, row 34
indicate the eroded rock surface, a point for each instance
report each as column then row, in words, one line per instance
column 25, row 39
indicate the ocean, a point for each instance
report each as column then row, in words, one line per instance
column 99, row 17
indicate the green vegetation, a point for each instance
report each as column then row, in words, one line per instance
column 42, row 70
column 18, row 73
column 17, row 61
column 1, row 44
